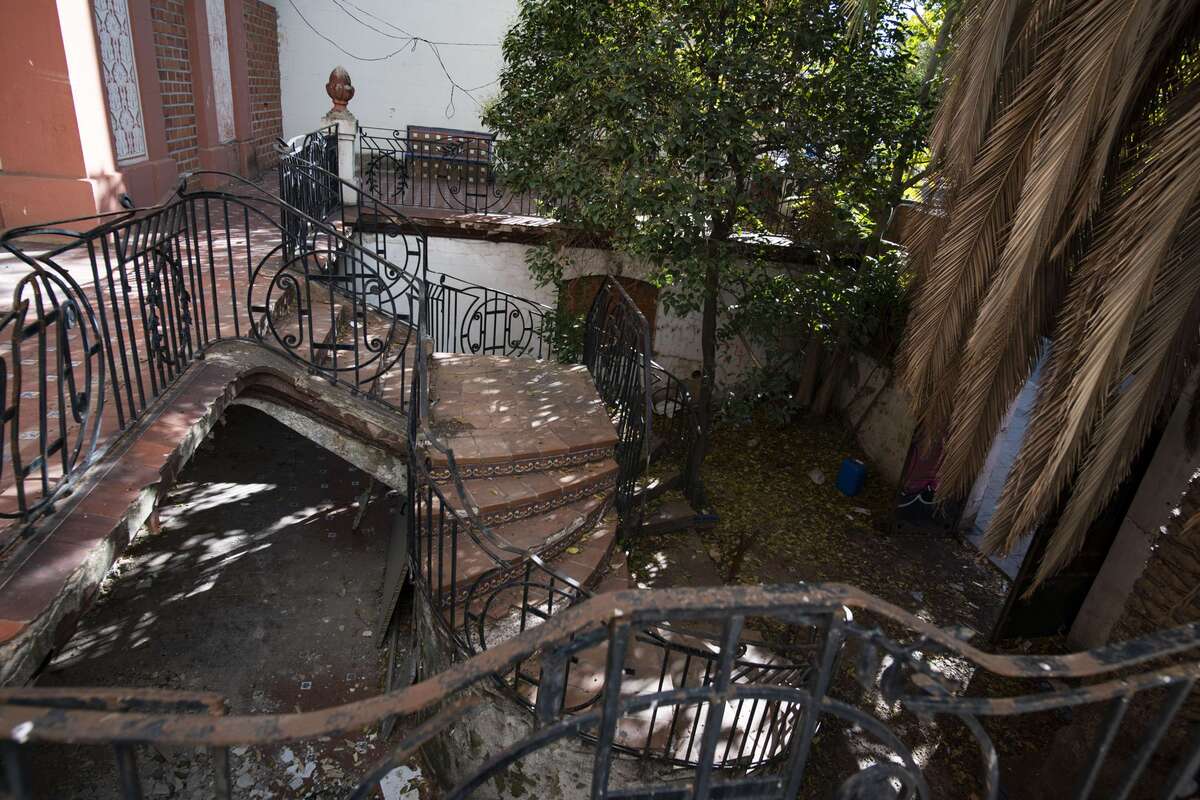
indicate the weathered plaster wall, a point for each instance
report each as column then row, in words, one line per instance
column 870, row 401
column 405, row 87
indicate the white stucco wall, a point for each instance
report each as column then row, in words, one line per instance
column 407, row 87
column 501, row 265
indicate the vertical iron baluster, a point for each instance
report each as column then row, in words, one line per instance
column 730, row 633
column 441, row 558
column 614, row 670
column 705, row 681
column 105, row 335
column 1171, row 705
column 429, row 531
column 16, row 771
column 222, row 774
column 191, row 238
column 130, row 329
column 1112, row 723
column 237, row 326
column 453, row 568
column 667, row 650
column 127, row 772
column 1187, row 768
column 185, row 300
column 812, row 706
column 43, row 460
column 212, row 268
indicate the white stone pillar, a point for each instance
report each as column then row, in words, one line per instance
column 340, row 91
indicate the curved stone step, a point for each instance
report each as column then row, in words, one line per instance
column 588, row 557
column 509, row 416
column 510, row 498
column 549, row 535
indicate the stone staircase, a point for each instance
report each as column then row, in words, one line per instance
column 533, row 446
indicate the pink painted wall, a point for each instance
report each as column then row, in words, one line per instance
column 41, row 157
column 57, row 158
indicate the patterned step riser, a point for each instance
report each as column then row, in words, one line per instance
column 520, row 465
column 603, row 484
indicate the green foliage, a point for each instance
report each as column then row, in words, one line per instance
column 667, row 125
column 674, row 127
column 857, row 302
column 564, row 332
column 546, row 264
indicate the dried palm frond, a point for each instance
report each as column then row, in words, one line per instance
column 1069, row 140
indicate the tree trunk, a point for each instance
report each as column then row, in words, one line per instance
column 708, row 353
column 823, row 402
column 896, row 190
column 814, row 354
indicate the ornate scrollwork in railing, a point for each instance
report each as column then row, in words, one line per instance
column 616, row 350
column 452, row 170
column 468, row 318
column 52, row 383
column 920, row 669
column 166, row 282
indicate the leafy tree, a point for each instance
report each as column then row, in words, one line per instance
column 675, row 127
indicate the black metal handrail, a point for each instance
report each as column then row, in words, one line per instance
column 166, row 282
column 308, row 180
column 616, row 350
column 677, row 433
column 898, row 673
column 455, row 172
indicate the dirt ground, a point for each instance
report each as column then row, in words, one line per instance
column 257, row 587
column 779, row 526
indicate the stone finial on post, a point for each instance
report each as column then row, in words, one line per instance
column 340, row 91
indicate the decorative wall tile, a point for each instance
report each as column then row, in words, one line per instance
column 120, row 78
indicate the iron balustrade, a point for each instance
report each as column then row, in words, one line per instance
column 308, row 181
column 616, row 350
column 676, row 426
column 907, row 671
column 452, row 171
column 107, row 318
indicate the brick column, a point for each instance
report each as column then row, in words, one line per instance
column 59, row 156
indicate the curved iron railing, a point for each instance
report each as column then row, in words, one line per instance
column 676, row 427
column 908, row 674
column 308, row 181
column 111, row 315
column 616, row 350
column 452, row 171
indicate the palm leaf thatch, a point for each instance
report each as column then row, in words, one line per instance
column 1067, row 148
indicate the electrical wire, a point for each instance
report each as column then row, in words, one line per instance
column 411, row 43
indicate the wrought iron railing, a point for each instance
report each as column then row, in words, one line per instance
column 1118, row 752
column 315, row 191
column 676, row 427
column 448, row 170
column 107, row 318
column 616, row 350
